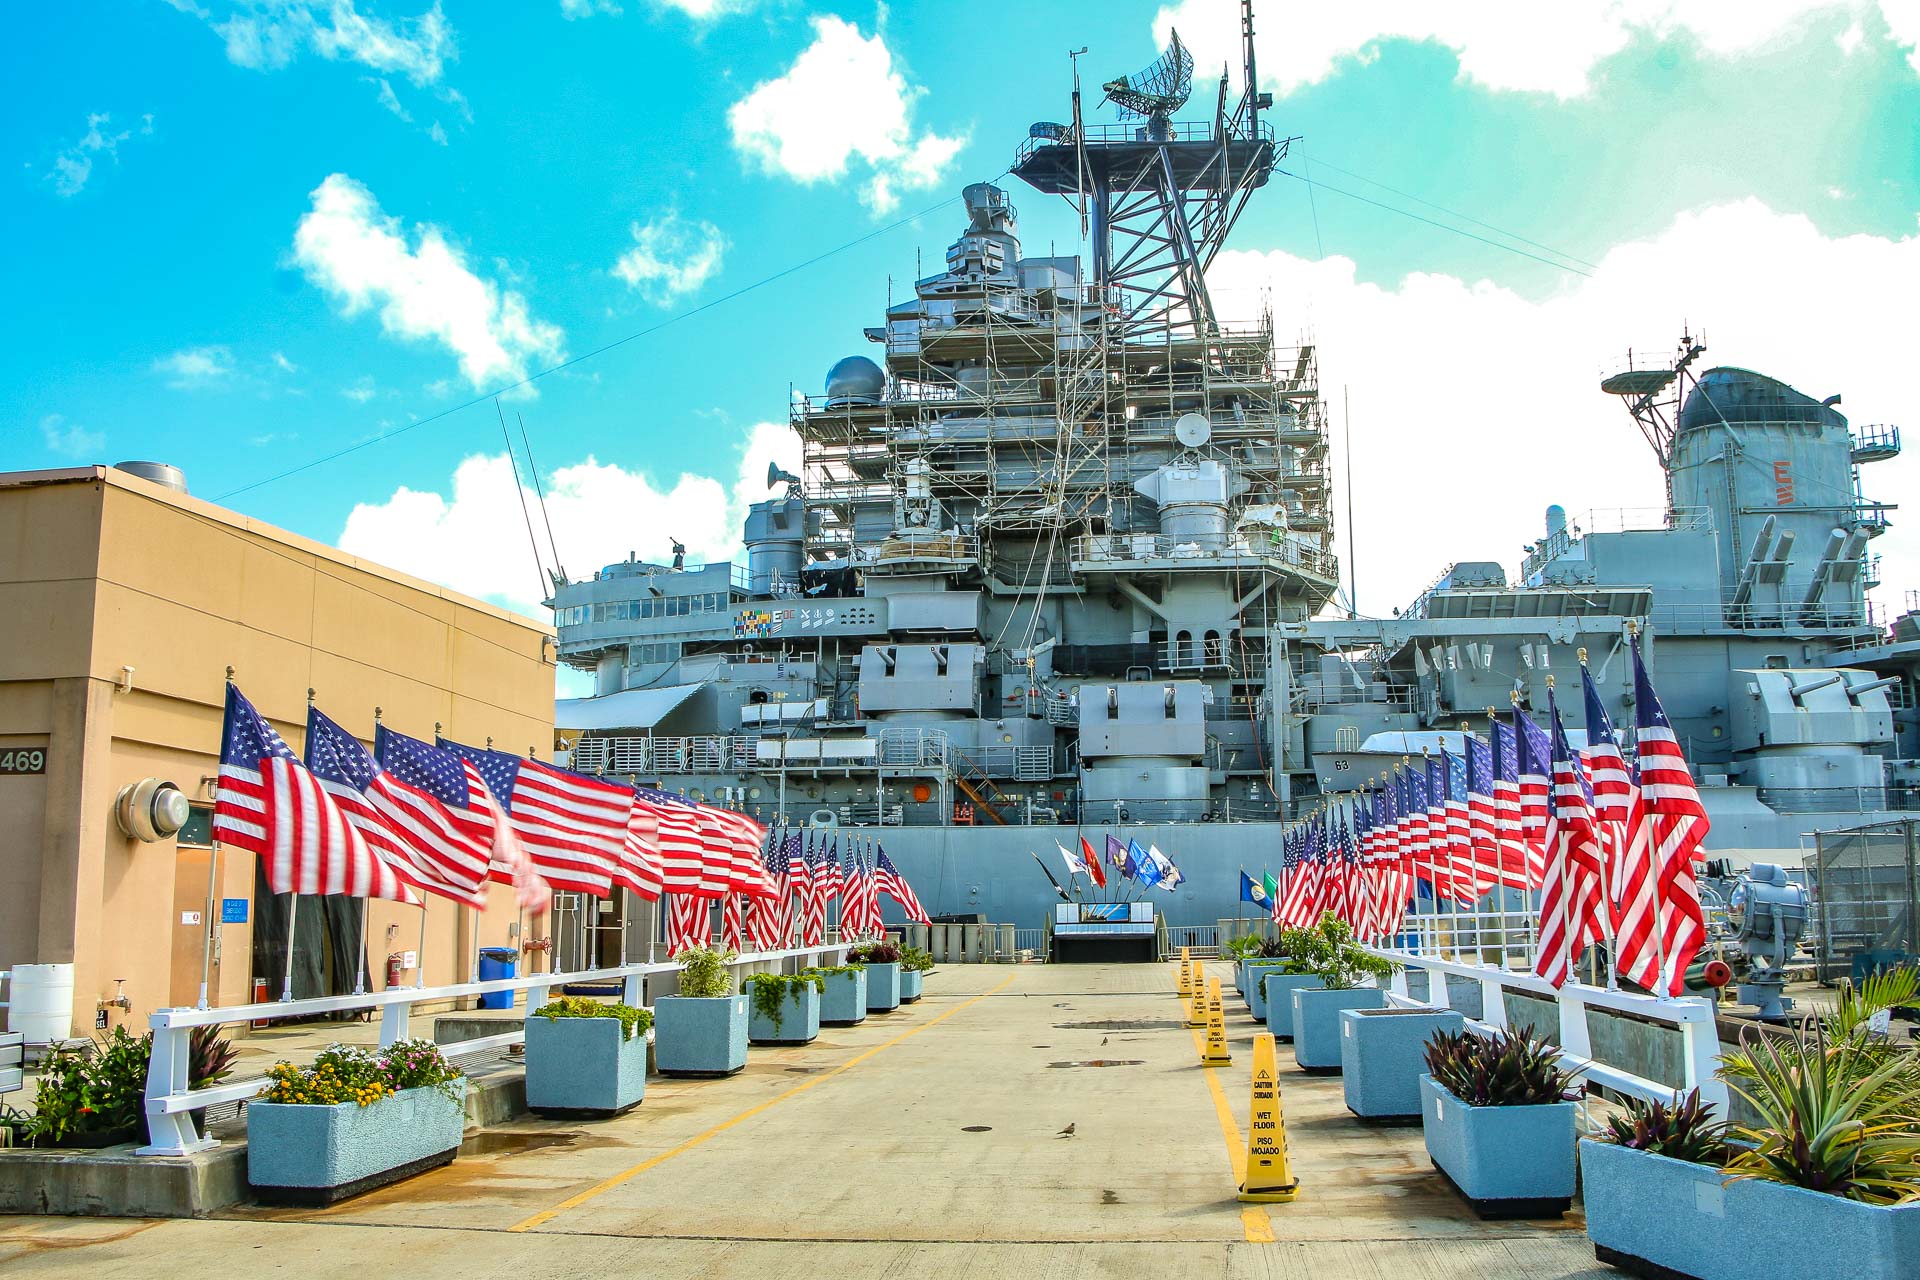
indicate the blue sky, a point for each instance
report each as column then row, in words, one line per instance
column 243, row 237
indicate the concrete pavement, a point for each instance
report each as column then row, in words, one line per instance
column 1032, row 1120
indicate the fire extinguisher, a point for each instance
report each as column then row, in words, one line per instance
column 393, row 968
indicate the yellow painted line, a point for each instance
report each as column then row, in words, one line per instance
column 607, row 1184
column 1255, row 1221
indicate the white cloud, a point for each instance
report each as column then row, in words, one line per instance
column 671, row 257
column 283, row 364
column 699, row 10
column 70, row 439
column 388, row 98
column 1474, row 407
column 74, row 165
column 266, row 35
column 195, row 367
column 474, row 540
column 842, row 99
column 1520, row 45
column 422, row 290
column 361, row 391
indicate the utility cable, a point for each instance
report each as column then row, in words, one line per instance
column 540, row 491
column 539, row 565
column 601, row 350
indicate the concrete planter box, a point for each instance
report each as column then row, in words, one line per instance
column 1316, row 1022
column 1383, row 1054
column 844, row 1002
column 913, row 985
column 883, row 987
column 699, row 1037
column 584, row 1067
column 1658, row 1217
column 1278, row 1014
column 1508, row 1162
column 1255, row 994
column 799, row 1018
column 303, row 1154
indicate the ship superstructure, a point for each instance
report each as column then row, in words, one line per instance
column 1060, row 555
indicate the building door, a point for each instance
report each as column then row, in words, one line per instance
column 188, row 926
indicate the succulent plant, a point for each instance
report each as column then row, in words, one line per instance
column 1506, row 1069
column 1682, row 1130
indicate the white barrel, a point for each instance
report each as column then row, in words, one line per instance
column 40, row 1002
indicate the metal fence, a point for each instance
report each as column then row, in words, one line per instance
column 1867, row 882
column 171, row 1098
column 1198, row 939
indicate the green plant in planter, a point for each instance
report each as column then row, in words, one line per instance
column 1506, row 1069
column 633, row 1021
column 1682, row 1130
column 210, row 1056
column 82, row 1095
column 769, row 992
column 1329, row 952
column 1838, row 1117
column 704, row 974
column 916, row 959
column 1272, row 948
column 1241, row 948
column 874, row 953
column 833, row 970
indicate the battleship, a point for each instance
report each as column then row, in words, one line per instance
column 1060, row 562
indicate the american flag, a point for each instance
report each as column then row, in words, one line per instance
column 888, row 880
column 1533, row 770
column 1511, row 841
column 1416, row 846
column 731, row 936
column 689, row 922
column 831, row 883
column 1483, row 804
column 1300, row 902
column 446, row 788
column 744, row 838
column 269, row 804
column 1634, row 904
column 409, row 829
column 1670, row 828
column 1571, row 905
column 1338, row 878
column 1471, row 879
column 787, row 871
column 813, row 906
column 680, row 839
column 860, row 902
column 574, row 828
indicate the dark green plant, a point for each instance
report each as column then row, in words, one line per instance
column 632, row 1021
column 1506, row 1069
column 1274, row 948
column 771, row 990
column 81, row 1093
column 826, row 971
column 916, row 959
column 1682, row 1130
column 210, row 1056
column 704, row 974
column 1329, row 953
column 1840, row 1117
column 874, row 953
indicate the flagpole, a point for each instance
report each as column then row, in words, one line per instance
column 293, row 920
column 206, row 941
column 1662, row 984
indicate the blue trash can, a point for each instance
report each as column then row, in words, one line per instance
column 495, row 963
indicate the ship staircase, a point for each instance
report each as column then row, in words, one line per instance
column 972, row 781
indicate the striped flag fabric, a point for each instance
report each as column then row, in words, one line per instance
column 1671, row 827
column 574, row 828
column 744, row 838
column 1516, row 868
column 732, row 936
column 786, row 871
column 679, row 840
column 1494, row 865
column 468, row 803
column 1631, row 882
column 689, row 922
column 418, row 836
column 833, row 883
column 1533, row 773
column 888, row 880
column 813, row 927
column 268, row 803
column 1572, row 907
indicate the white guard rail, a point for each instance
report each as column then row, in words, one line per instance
column 1692, row 1017
column 171, row 1098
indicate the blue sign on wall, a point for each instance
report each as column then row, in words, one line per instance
column 233, row 911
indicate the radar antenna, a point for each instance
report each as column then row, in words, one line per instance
column 1653, row 391
column 1156, row 93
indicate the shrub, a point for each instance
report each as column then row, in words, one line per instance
column 1274, row 948
column 917, row 959
column 704, row 974
column 354, row 1073
column 632, row 1021
column 825, row 971
column 1242, row 947
column 1682, row 1130
column 210, row 1056
column 1506, row 1069
column 874, row 953
column 1840, row 1117
column 82, row 1094
column 1329, row 952
column 770, row 991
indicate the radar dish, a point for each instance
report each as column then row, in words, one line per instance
column 1192, row 430
column 1158, row 91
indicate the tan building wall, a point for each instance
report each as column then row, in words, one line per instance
column 101, row 571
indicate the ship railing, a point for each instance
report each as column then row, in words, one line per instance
column 912, row 748
column 1259, row 551
column 651, row 756
column 1111, row 134
column 171, row 1098
column 1892, row 798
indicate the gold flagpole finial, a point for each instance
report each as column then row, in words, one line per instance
column 1581, row 653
